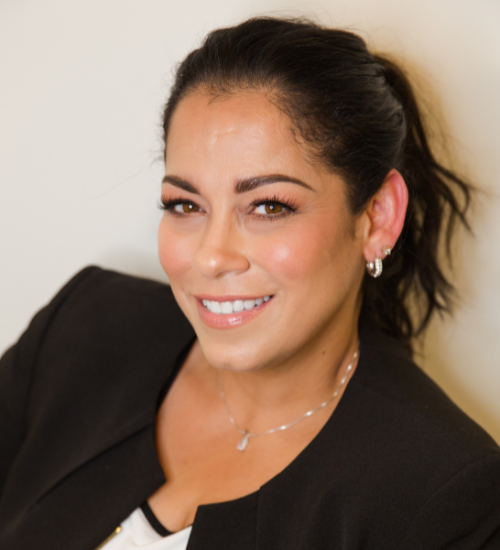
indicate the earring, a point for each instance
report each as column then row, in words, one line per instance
column 375, row 268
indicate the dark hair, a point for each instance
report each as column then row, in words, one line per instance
column 358, row 113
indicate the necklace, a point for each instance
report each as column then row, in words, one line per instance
column 242, row 445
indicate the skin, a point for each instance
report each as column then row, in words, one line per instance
column 309, row 257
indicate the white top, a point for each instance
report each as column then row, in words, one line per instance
column 137, row 532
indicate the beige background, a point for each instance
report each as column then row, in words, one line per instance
column 82, row 84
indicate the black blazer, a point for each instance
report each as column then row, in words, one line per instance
column 397, row 466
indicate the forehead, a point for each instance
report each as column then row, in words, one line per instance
column 249, row 113
column 242, row 130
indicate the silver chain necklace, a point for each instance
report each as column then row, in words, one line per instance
column 242, row 445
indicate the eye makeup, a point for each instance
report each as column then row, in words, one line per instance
column 169, row 205
column 275, row 207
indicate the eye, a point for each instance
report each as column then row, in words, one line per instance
column 178, row 206
column 270, row 208
column 185, row 208
column 273, row 208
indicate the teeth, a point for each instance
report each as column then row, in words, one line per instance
column 226, row 308
column 214, row 307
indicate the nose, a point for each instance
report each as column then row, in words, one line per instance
column 220, row 252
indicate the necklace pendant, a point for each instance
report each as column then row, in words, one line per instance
column 242, row 445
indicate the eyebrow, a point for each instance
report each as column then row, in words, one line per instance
column 182, row 184
column 242, row 186
column 249, row 184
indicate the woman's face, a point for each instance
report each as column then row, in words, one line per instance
column 262, row 253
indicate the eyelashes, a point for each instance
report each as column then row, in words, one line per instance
column 170, row 204
column 272, row 208
column 276, row 201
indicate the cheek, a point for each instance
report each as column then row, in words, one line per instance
column 284, row 258
column 174, row 251
column 307, row 255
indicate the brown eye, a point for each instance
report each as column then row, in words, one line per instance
column 273, row 208
column 188, row 208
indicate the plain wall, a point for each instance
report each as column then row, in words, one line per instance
column 82, row 87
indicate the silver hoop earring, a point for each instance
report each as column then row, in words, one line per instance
column 375, row 268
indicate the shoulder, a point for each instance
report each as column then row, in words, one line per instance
column 105, row 306
column 418, row 407
column 108, row 335
column 105, row 301
column 399, row 463
column 93, row 363
column 437, row 470
column 100, row 288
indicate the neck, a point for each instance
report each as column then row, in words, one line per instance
column 277, row 394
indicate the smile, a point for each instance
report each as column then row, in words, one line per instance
column 227, row 308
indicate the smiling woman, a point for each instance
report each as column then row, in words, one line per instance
column 251, row 235
column 267, row 398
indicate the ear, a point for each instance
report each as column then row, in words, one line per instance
column 385, row 214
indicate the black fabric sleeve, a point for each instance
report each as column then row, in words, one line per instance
column 464, row 514
column 16, row 367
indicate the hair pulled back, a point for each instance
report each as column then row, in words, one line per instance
column 358, row 114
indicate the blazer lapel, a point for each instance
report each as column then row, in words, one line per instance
column 226, row 525
column 90, row 454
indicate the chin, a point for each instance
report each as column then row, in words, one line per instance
column 232, row 357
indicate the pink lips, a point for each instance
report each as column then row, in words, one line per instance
column 231, row 320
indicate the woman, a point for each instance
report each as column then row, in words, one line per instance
column 268, row 399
